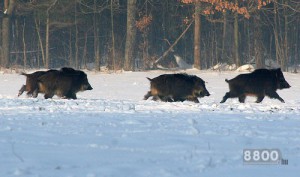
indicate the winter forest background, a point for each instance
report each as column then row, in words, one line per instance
column 142, row 34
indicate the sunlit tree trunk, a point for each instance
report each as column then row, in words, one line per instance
column 197, row 36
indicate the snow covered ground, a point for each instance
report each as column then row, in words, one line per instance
column 111, row 132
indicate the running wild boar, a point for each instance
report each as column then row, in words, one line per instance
column 64, row 83
column 259, row 83
column 31, row 86
column 177, row 87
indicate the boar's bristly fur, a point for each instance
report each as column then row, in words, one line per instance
column 259, row 83
column 64, row 83
column 31, row 85
column 177, row 87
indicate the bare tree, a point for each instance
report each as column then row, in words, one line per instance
column 236, row 38
column 8, row 10
column 258, row 45
column 130, row 35
column 197, row 36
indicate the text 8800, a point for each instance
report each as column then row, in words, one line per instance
column 261, row 156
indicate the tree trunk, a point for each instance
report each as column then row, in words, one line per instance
column 70, row 48
column 284, row 59
column 47, row 59
column 85, row 51
column 223, row 53
column 197, row 36
column 76, row 40
column 258, row 46
column 276, row 34
column 112, row 35
column 130, row 36
column 236, row 40
column 296, row 55
column 145, row 46
column 8, row 10
column 40, row 42
column 24, row 46
column 47, row 42
column 96, row 39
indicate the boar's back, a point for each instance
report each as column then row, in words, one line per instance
column 177, row 85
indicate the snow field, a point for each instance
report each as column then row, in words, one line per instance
column 111, row 131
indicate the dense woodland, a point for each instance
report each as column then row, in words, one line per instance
column 140, row 34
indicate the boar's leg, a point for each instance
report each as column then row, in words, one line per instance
column 273, row 94
column 156, row 98
column 226, row 96
column 179, row 99
column 48, row 95
column 194, row 99
column 71, row 95
column 259, row 98
column 35, row 93
column 23, row 88
column 242, row 98
column 147, row 95
column 166, row 98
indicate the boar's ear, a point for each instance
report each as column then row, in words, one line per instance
column 277, row 71
column 149, row 79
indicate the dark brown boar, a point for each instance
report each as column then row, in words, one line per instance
column 177, row 87
column 64, row 83
column 31, row 83
column 259, row 83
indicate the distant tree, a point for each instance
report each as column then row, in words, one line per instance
column 8, row 9
column 130, row 35
column 209, row 7
column 197, row 35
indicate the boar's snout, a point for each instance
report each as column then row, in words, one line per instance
column 89, row 87
column 287, row 85
column 206, row 93
column 86, row 86
column 284, row 85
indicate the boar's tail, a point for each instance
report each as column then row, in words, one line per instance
column 22, row 73
column 149, row 79
column 227, row 80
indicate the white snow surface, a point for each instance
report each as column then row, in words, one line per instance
column 111, row 131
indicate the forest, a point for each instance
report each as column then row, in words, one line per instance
column 138, row 35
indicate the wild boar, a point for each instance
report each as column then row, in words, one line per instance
column 259, row 83
column 31, row 83
column 177, row 87
column 64, row 83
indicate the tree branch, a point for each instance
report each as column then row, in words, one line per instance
column 171, row 47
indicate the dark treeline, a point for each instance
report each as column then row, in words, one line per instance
column 133, row 34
